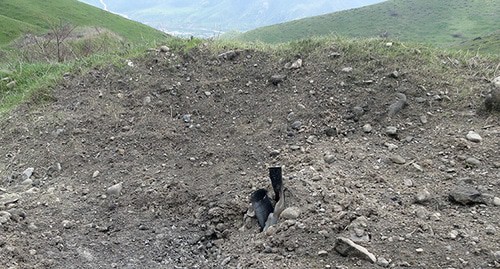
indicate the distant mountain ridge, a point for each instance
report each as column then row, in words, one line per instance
column 208, row 16
column 442, row 23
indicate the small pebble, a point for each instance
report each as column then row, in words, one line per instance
column 453, row 234
column 472, row 162
column 474, row 137
column 317, row 178
column 391, row 130
column 331, row 132
column 322, row 253
column 408, row 182
column 496, row 201
column 422, row 196
column 96, row 174
column 296, row 125
column 329, row 158
column 28, row 172
column 381, row 261
column 367, row 128
column 435, row 217
column 115, row 190
column 397, row 159
column 290, row 213
column 423, row 119
column 490, row 230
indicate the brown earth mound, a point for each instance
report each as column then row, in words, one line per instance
column 373, row 150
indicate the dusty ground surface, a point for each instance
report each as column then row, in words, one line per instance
column 190, row 137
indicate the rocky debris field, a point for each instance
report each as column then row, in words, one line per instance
column 387, row 163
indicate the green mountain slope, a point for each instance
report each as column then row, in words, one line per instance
column 21, row 16
column 485, row 43
column 442, row 23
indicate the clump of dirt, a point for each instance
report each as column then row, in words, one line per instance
column 190, row 136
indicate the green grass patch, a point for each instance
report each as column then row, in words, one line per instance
column 35, row 80
column 21, row 16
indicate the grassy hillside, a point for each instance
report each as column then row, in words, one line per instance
column 20, row 16
column 486, row 43
column 442, row 23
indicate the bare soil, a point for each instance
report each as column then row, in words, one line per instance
column 190, row 136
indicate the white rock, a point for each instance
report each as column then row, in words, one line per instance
column 290, row 213
column 474, row 137
column 496, row 82
column 346, row 247
column 115, row 189
column 96, row 174
column 164, row 49
column 397, row 159
column 423, row 119
column 367, row 128
column 391, row 130
column 422, row 196
column 28, row 172
column 322, row 253
column 11, row 84
column 329, row 158
column 496, row 201
column 381, row 261
column 391, row 146
column 4, row 217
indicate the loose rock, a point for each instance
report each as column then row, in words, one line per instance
column 423, row 119
column 115, row 190
column 367, row 128
column 397, row 159
column 453, row 234
column 277, row 79
column 296, row 125
column 472, row 162
column 492, row 100
column 164, row 49
column 490, row 230
column 466, row 196
column 28, row 172
column 474, row 137
column 422, row 196
column 398, row 105
column 322, row 253
column 391, row 130
column 4, row 217
column 496, row 201
column 346, row 247
column 9, row 198
column 331, row 132
column 329, row 158
column 290, row 213
column 496, row 82
column 11, row 84
column 382, row 262
column 295, row 65
column 347, row 69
